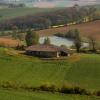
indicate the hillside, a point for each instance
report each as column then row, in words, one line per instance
column 8, row 13
column 81, row 69
column 20, row 95
column 86, row 29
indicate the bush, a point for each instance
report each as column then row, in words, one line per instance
column 47, row 87
column 20, row 47
column 97, row 93
column 74, row 90
column 66, row 89
column 9, row 84
column 60, row 34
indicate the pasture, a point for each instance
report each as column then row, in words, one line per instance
column 82, row 70
column 8, row 13
column 22, row 95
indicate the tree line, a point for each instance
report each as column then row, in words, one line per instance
column 49, row 19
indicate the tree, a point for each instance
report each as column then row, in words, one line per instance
column 77, row 40
column 92, row 43
column 48, row 23
column 70, row 34
column 31, row 38
column 14, row 32
column 47, row 41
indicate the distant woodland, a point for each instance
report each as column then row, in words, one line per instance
column 46, row 20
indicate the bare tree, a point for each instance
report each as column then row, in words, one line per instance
column 92, row 43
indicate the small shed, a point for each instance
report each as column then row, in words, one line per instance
column 47, row 51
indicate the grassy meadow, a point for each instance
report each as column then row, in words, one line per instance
column 8, row 13
column 82, row 70
column 22, row 95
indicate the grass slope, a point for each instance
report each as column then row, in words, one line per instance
column 8, row 13
column 20, row 95
column 80, row 69
column 83, row 70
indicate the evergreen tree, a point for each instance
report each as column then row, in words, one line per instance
column 31, row 38
column 77, row 40
column 47, row 41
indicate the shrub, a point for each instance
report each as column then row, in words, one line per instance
column 74, row 90
column 9, row 84
column 67, row 89
column 47, row 87
column 22, row 47
column 97, row 93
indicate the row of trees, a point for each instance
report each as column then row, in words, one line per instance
column 33, row 38
column 21, row 5
column 48, row 19
column 78, row 41
column 74, row 34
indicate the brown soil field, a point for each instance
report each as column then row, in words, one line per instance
column 86, row 29
column 9, row 42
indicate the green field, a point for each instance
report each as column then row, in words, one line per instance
column 82, row 70
column 8, row 13
column 20, row 95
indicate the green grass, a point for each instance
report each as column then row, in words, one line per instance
column 22, row 95
column 98, row 7
column 86, row 72
column 82, row 70
column 8, row 13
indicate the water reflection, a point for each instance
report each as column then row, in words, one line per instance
column 61, row 41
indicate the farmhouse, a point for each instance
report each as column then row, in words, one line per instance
column 47, row 51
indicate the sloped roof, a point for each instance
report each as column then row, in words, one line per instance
column 48, row 48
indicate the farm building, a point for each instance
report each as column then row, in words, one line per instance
column 47, row 51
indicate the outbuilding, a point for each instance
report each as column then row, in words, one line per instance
column 47, row 51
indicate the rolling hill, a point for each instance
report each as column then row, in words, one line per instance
column 8, row 13
column 82, row 70
column 22, row 95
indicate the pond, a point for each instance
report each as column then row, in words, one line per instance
column 61, row 41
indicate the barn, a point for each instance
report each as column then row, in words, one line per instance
column 47, row 51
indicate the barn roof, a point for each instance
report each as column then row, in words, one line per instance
column 48, row 48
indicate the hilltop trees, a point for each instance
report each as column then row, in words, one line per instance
column 46, row 20
column 31, row 38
